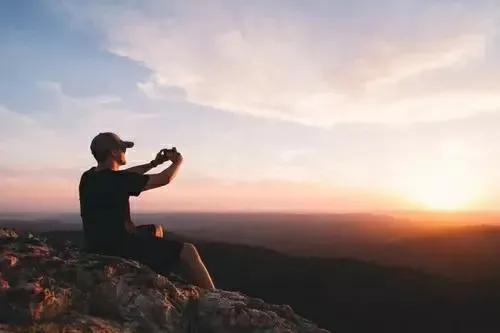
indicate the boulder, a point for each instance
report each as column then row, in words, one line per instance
column 47, row 289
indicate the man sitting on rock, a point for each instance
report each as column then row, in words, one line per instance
column 105, row 210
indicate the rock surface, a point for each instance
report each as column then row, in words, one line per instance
column 44, row 289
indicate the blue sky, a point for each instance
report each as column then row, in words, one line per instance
column 283, row 105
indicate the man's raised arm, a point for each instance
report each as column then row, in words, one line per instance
column 166, row 176
column 143, row 168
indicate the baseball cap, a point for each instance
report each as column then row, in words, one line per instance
column 106, row 141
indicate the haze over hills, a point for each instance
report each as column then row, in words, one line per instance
column 460, row 246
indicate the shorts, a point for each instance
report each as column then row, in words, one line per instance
column 146, row 230
column 161, row 254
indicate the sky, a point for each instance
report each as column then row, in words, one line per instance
column 317, row 106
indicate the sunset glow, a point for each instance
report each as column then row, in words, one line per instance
column 442, row 191
column 446, row 183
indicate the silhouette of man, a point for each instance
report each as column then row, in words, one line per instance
column 104, row 193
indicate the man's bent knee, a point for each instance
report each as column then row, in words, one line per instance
column 159, row 230
column 189, row 253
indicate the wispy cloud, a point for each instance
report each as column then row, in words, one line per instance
column 305, row 65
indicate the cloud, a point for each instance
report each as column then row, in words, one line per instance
column 314, row 65
column 392, row 64
column 59, row 132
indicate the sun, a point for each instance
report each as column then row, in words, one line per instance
column 444, row 193
column 444, row 186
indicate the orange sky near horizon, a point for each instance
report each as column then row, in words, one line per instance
column 206, row 195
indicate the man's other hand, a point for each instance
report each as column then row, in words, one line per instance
column 160, row 158
column 177, row 158
column 166, row 155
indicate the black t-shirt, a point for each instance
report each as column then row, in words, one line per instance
column 105, row 208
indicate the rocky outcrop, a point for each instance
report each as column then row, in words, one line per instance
column 46, row 289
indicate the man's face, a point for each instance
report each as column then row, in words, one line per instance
column 123, row 159
column 119, row 155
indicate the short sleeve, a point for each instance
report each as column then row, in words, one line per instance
column 134, row 182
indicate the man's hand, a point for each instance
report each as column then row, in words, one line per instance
column 168, row 155
column 160, row 157
column 166, row 176
column 163, row 156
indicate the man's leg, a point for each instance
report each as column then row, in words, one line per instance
column 150, row 230
column 194, row 269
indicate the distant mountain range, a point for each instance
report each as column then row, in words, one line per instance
column 462, row 252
